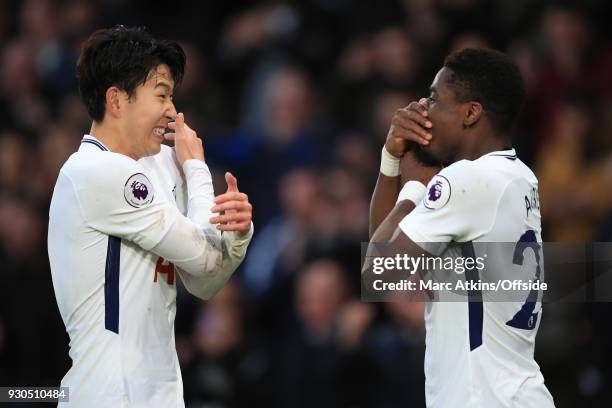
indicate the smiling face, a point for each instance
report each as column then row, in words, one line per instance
column 447, row 114
column 147, row 113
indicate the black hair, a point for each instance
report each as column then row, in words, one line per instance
column 122, row 57
column 490, row 78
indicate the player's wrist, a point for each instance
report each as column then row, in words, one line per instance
column 389, row 164
column 240, row 237
column 413, row 191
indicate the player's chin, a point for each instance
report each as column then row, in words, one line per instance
column 154, row 146
column 427, row 155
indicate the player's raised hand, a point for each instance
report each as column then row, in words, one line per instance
column 187, row 144
column 409, row 125
column 235, row 206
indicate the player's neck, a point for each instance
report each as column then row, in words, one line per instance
column 112, row 138
column 485, row 145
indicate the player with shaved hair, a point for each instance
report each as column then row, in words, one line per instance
column 465, row 185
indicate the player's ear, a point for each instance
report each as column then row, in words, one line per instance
column 472, row 114
column 113, row 101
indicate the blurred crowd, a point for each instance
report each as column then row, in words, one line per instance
column 295, row 99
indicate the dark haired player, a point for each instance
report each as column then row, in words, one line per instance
column 117, row 233
column 478, row 354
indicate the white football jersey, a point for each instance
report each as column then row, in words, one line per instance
column 479, row 353
column 117, row 297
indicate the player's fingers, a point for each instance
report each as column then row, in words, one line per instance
column 411, row 115
column 421, row 107
column 403, row 124
column 411, row 135
column 233, row 217
column 410, row 125
column 232, row 183
column 171, row 125
column 231, row 196
column 170, row 136
column 239, row 226
column 180, row 121
column 232, row 205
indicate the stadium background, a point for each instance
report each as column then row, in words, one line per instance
column 295, row 98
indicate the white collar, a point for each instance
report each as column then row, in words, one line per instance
column 89, row 140
column 509, row 154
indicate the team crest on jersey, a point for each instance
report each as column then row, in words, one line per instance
column 138, row 190
column 438, row 193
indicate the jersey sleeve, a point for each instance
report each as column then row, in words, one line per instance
column 459, row 205
column 232, row 245
column 180, row 185
column 233, row 252
column 117, row 198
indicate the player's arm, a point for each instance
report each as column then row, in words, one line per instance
column 409, row 125
column 388, row 232
column 234, row 229
column 445, row 214
column 117, row 199
column 231, row 230
column 403, row 202
column 206, row 286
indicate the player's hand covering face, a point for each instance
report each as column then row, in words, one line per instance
column 409, row 125
column 235, row 206
column 187, row 144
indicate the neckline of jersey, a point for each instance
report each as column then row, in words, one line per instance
column 502, row 153
column 93, row 140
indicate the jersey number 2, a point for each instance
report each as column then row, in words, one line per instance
column 525, row 318
column 163, row 266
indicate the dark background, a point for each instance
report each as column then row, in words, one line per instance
column 295, row 98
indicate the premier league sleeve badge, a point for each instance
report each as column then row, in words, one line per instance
column 138, row 190
column 438, row 193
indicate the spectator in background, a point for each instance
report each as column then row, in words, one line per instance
column 225, row 367
column 397, row 347
column 396, row 58
column 577, row 164
column 31, row 330
column 12, row 161
column 345, row 217
column 354, row 153
column 373, row 69
column 203, row 100
column 59, row 143
column 20, row 86
column 572, row 62
column 313, row 370
column 280, row 248
column 280, row 133
column 386, row 104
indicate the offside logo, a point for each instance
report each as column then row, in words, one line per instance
column 138, row 190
